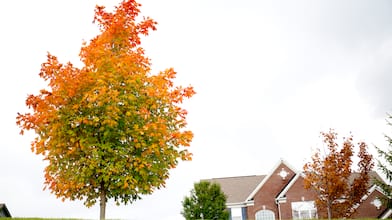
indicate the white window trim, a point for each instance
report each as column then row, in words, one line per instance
column 307, row 212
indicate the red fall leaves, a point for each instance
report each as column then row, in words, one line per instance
column 330, row 175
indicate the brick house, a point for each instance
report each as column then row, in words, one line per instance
column 281, row 195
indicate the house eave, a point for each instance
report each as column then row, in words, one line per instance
column 240, row 204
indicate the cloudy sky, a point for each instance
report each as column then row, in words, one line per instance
column 269, row 76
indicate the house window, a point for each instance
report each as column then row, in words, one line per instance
column 304, row 210
column 236, row 213
column 265, row 215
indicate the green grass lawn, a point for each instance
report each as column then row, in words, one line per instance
column 39, row 218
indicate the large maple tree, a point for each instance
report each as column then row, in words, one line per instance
column 330, row 175
column 110, row 129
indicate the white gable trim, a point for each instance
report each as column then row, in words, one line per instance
column 371, row 190
column 240, row 204
column 258, row 187
column 291, row 183
column 288, row 165
column 387, row 214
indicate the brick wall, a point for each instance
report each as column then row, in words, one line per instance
column 265, row 198
column 296, row 193
column 368, row 208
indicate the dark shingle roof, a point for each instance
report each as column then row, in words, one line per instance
column 373, row 176
column 237, row 189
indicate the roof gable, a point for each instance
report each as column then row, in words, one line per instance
column 274, row 170
column 371, row 205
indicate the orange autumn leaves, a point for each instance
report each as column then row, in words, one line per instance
column 330, row 175
column 110, row 126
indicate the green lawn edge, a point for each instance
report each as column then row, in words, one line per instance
column 17, row 218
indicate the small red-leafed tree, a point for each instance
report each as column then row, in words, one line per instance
column 331, row 176
column 110, row 129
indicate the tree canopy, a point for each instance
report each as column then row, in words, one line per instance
column 329, row 175
column 110, row 129
column 206, row 201
column 384, row 164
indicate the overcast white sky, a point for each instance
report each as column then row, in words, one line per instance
column 269, row 76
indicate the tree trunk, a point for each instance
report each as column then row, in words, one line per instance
column 329, row 211
column 102, row 202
